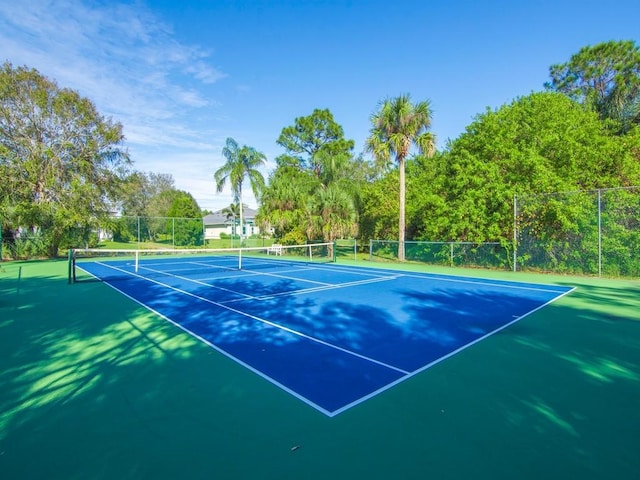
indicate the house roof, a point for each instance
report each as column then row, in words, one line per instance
column 218, row 218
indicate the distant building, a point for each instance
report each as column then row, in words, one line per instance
column 217, row 222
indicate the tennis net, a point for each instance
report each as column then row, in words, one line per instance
column 185, row 262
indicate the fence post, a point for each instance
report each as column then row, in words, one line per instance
column 451, row 253
column 599, row 233
column 515, row 233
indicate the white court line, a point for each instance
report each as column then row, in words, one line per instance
column 219, row 349
column 491, row 284
column 452, row 278
column 323, row 286
column 199, row 282
column 448, row 355
column 259, row 319
column 335, row 286
column 285, row 277
column 248, row 270
column 406, row 374
column 252, row 273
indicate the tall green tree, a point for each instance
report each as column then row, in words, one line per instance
column 312, row 193
column 397, row 125
column 242, row 162
column 332, row 214
column 141, row 194
column 144, row 198
column 606, row 77
column 544, row 142
column 283, row 204
column 315, row 139
column 378, row 212
column 186, row 218
column 61, row 162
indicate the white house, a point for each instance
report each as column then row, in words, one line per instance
column 217, row 222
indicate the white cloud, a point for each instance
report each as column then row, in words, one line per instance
column 128, row 62
column 193, row 172
column 119, row 55
column 205, row 73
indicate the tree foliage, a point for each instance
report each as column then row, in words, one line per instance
column 61, row 162
column 142, row 194
column 544, row 142
column 605, row 77
column 313, row 192
column 153, row 210
column 186, row 220
column 315, row 140
column 379, row 209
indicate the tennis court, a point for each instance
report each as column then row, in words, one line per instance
column 330, row 335
column 95, row 385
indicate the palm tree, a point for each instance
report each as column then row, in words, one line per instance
column 241, row 162
column 331, row 214
column 232, row 212
column 397, row 125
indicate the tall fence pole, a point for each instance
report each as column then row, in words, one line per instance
column 451, row 263
column 599, row 233
column 515, row 233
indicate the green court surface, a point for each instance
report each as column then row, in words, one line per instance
column 94, row 386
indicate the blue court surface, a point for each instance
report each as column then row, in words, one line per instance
column 331, row 335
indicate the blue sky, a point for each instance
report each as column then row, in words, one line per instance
column 182, row 76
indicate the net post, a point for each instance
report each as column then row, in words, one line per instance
column 137, row 261
column 335, row 248
column 240, row 258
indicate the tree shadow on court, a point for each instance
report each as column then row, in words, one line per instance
column 95, row 386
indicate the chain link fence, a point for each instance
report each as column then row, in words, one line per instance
column 587, row 232
column 171, row 232
column 452, row 254
column 593, row 232
column 24, row 242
